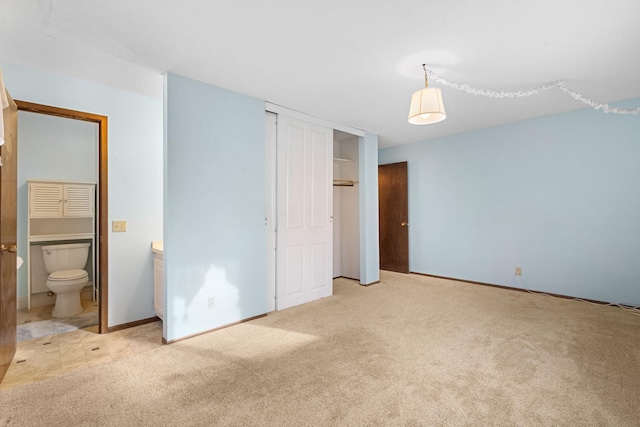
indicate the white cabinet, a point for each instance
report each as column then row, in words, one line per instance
column 158, row 267
column 45, row 200
column 58, row 200
column 59, row 211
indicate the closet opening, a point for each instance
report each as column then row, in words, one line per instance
column 313, row 207
column 346, row 206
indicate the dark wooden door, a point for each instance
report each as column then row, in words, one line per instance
column 8, row 215
column 394, row 217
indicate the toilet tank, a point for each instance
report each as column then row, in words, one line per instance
column 65, row 257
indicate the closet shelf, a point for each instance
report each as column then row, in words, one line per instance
column 339, row 160
column 55, row 237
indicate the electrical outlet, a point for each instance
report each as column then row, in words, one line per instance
column 119, row 226
column 518, row 271
column 212, row 302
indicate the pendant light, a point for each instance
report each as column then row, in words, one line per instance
column 426, row 104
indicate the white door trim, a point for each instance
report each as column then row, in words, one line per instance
column 278, row 109
column 270, row 208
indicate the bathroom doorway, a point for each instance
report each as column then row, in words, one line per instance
column 100, row 261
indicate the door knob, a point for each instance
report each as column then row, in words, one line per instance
column 11, row 248
column 404, row 224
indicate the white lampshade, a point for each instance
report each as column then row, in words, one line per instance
column 426, row 107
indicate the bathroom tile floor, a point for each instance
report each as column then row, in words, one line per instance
column 53, row 355
column 44, row 312
column 38, row 322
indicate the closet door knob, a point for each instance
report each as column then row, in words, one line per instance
column 404, row 224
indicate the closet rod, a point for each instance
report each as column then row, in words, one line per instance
column 343, row 183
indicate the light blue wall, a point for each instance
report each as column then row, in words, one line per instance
column 214, row 199
column 50, row 147
column 135, row 175
column 558, row 196
column 368, row 171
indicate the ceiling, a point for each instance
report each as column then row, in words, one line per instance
column 352, row 62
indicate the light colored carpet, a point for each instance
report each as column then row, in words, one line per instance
column 409, row 351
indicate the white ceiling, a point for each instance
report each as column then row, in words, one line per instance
column 353, row 62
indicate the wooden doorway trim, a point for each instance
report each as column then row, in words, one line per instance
column 103, row 222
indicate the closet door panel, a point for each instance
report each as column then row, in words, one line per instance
column 321, row 184
column 295, row 271
column 294, row 178
column 304, row 208
column 319, row 277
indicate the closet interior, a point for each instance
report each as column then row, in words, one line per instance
column 346, row 210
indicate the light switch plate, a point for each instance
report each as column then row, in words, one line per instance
column 119, row 226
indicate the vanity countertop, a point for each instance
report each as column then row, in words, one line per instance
column 156, row 247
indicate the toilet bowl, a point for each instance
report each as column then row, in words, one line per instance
column 66, row 278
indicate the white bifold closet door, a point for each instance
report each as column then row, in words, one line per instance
column 304, row 194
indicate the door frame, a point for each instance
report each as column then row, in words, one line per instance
column 103, row 217
column 271, row 120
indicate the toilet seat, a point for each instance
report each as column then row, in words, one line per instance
column 66, row 275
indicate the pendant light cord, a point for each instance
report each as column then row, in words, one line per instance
column 426, row 77
column 559, row 84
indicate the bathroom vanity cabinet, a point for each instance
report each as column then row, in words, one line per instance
column 59, row 212
column 158, row 274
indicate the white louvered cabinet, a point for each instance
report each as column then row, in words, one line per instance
column 57, row 200
column 59, row 212
column 45, row 200
column 78, row 200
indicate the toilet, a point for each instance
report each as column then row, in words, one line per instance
column 65, row 264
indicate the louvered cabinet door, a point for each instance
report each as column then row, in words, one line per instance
column 45, row 200
column 78, row 200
